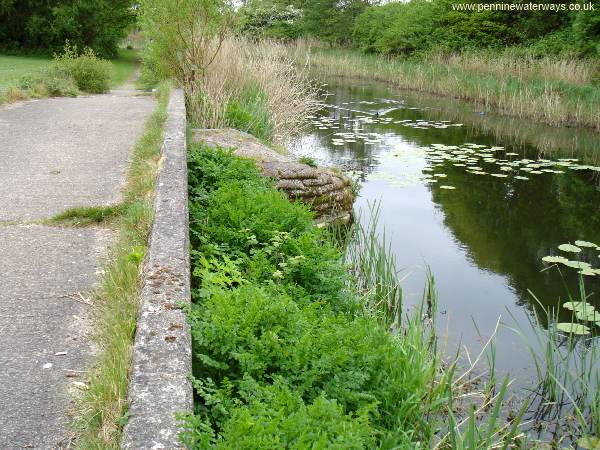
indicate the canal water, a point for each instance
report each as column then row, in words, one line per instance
column 476, row 198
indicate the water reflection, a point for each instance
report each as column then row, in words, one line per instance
column 483, row 236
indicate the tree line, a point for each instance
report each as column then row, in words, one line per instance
column 421, row 26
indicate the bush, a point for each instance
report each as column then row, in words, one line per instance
column 276, row 417
column 234, row 211
column 90, row 73
column 50, row 82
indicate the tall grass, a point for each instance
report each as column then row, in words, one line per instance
column 460, row 414
column 373, row 268
column 522, row 65
column 566, row 397
column 552, row 91
column 254, row 86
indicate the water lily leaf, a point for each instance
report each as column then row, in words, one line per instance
column 588, row 315
column 577, row 265
column 589, row 442
column 569, row 248
column 555, row 259
column 585, row 244
column 574, row 328
column 578, row 306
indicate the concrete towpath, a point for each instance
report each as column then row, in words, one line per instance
column 55, row 154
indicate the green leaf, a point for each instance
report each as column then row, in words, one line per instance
column 589, row 442
column 574, row 328
column 585, row 244
column 555, row 259
column 588, row 315
column 569, row 248
column 577, row 306
column 577, row 265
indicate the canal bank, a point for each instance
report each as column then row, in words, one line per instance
column 477, row 205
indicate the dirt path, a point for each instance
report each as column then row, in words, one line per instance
column 54, row 154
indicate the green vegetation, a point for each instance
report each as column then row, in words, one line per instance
column 12, row 68
column 84, row 216
column 417, row 27
column 278, row 332
column 228, row 81
column 308, row 161
column 46, row 25
column 549, row 90
column 102, row 408
column 123, row 66
column 67, row 74
column 541, row 64
column 288, row 350
column 566, row 366
column 90, row 73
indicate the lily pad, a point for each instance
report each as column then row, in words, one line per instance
column 577, row 265
column 554, row 259
column 574, row 328
column 585, row 244
column 588, row 315
column 578, row 306
column 569, row 248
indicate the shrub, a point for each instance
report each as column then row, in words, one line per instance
column 282, row 354
column 277, row 417
column 49, row 82
column 235, row 211
column 90, row 73
column 263, row 335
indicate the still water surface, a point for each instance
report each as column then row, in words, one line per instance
column 479, row 199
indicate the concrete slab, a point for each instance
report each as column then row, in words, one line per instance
column 41, row 315
column 54, row 154
column 64, row 152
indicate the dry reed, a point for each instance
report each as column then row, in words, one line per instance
column 549, row 90
column 242, row 64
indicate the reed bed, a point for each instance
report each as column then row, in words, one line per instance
column 263, row 81
column 548, row 90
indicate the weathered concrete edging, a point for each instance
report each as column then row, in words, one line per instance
column 159, row 387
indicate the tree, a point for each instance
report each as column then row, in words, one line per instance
column 48, row 24
column 184, row 36
column 331, row 20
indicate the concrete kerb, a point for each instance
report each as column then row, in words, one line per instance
column 159, row 387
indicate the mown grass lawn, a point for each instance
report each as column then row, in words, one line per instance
column 14, row 67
